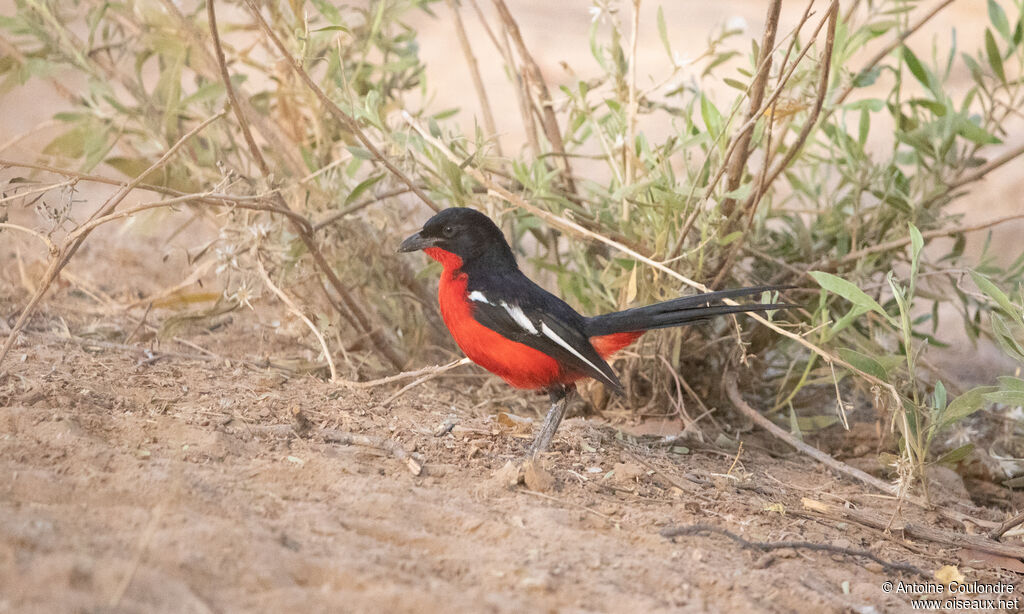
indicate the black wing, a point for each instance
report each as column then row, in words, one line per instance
column 528, row 314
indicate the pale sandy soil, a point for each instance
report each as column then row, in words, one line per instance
column 134, row 483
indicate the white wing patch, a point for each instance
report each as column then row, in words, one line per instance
column 514, row 311
column 550, row 334
column 520, row 318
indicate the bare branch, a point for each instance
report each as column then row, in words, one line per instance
column 350, row 123
column 474, row 73
column 59, row 260
column 738, row 161
column 534, row 76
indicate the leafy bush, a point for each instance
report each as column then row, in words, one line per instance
column 790, row 178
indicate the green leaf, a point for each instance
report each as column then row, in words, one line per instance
column 973, row 132
column 955, row 456
column 1006, row 339
column 993, row 292
column 939, row 396
column 741, row 192
column 729, row 238
column 333, row 29
column 712, row 118
column 1009, row 382
column 865, row 363
column 995, row 60
column 997, row 16
column 863, row 126
column 1013, row 398
column 362, row 187
column 937, row 108
column 741, row 86
column 360, row 152
column 916, row 245
column 131, row 167
column 922, row 74
column 809, row 424
column 663, row 32
column 868, row 77
column 847, row 290
column 964, row 405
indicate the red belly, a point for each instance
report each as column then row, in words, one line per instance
column 518, row 364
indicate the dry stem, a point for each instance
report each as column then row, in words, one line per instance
column 474, row 73
column 738, row 161
column 298, row 313
column 737, row 400
column 534, row 76
column 305, row 230
column 60, row 259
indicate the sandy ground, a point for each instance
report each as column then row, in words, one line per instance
column 184, row 481
column 181, row 482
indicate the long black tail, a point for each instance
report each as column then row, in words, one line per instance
column 678, row 312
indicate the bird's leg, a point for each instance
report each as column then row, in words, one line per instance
column 560, row 396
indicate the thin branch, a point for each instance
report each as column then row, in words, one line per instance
column 738, row 161
column 298, row 313
column 222, row 65
column 337, row 215
column 812, row 119
column 931, row 234
column 533, row 75
column 810, row 123
column 987, row 168
column 59, row 260
column 343, row 118
column 698, row 529
column 737, row 400
column 433, row 372
column 405, row 375
column 474, row 73
column 900, row 533
column 50, row 247
column 631, row 109
column 1010, row 523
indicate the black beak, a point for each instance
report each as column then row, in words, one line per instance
column 415, row 243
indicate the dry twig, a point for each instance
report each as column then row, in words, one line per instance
column 474, row 73
column 60, row 259
column 698, row 529
column 737, row 400
column 298, row 313
column 534, row 76
column 305, row 230
column 899, row 532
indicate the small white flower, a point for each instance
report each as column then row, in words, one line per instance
column 619, row 142
column 260, row 230
column 226, row 257
column 680, row 60
column 602, row 10
column 243, row 295
column 736, row 24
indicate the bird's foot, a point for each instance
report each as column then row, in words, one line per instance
column 559, row 403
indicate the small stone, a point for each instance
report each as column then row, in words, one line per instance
column 536, row 477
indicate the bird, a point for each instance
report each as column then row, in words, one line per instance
column 517, row 330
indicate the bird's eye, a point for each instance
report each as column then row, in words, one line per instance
column 449, row 231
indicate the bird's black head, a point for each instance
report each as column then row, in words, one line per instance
column 465, row 233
